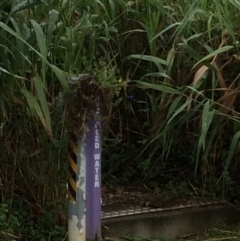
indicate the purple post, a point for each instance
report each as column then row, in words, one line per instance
column 93, row 179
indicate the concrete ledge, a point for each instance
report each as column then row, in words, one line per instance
column 171, row 224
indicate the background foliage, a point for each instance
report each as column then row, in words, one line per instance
column 177, row 116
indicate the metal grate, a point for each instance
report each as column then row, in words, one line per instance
column 120, row 209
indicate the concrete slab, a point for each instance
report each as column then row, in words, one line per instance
column 170, row 224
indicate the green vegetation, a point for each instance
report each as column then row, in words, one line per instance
column 171, row 72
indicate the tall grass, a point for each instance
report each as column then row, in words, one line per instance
column 184, row 55
column 197, row 85
column 42, row 45
column 178, row 59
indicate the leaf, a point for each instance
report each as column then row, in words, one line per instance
column 207, row 118
column 228, row 100
column 189, row 16
column 159, row 87
column 186, row 117
column 148, row 58
column 233, row 145
column 235, row 3
column 195, row 55
column 164, row 30
column 35, row 107
column 39, row 85
column 55, row 69
column 179, row 110
column 199, row 75
column 41, row 39
column 173, row 106
column 206, row 121
column 221, row 80
column 51, row 25
column 213, row 54
column 156, row 74
column 25, row 4
column 194, row 36
column 7, row 72
column 128, row 33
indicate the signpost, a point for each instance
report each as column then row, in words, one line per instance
column 84, row 185
column 77, row 189
column 93, row 179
